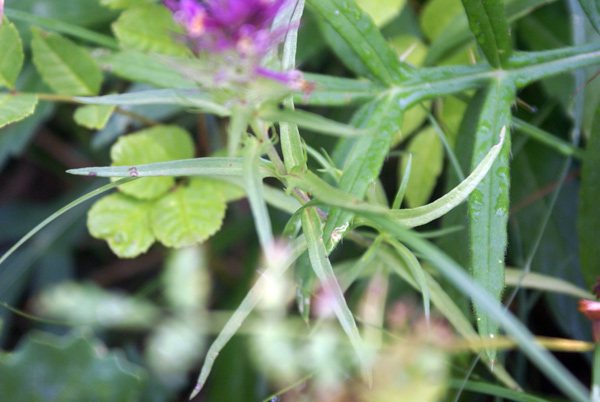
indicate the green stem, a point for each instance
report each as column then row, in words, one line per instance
column 596, row 375
column 546, row 138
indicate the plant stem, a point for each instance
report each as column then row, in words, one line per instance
column 596, row 375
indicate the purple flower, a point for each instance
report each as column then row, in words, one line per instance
column 240, row 31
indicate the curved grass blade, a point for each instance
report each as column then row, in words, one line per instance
column 250, row 301
column 311, row 224
column 402, row 189
column 61, row 211
column 495, row 390
column 194, row 98
column 534, row 280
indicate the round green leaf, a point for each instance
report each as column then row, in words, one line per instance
column 150, row 28
column 157, row 144
column 427, row 163
column 67, row 68
column 50, row 369
column 93, row 117
column 123, row 222
column 230, row 192
column 16, row 107
column 11, row 49
column 188, row 215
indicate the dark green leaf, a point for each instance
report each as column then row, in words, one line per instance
column 591, row 9
column 588, row 220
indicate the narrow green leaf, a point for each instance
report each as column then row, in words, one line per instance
column 591, row 10
column 150, row 28
column 120, row 4
column 194, row 98
column 588, row 219
column 335, row 91
column 156, row 144
column 362, row 36
column 187, row 216
column 123, row 222
column 67, row 68
column 311, row 225
column 534, row 280
column 93, row 117
column 547, row 139
column 189, row 167
column 311, row 121
column 427, row 155
column 253, row 297
column 238, row 124
column 403, row 184
column 58, row 213
column 489, row 25
column 140, row 67
column 489, row 204
column 305, row 280
column 365, row 161
column 16, row 107
column 496, row 391
column 254, row 190
column 11, row 49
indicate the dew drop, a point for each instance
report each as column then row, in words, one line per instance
column 337, row 12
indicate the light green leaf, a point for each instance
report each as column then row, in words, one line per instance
column 11, row 49
column 489, row 203
column 588, row 219
column 67, row 68
column 186, row 279
column 150, row 28
column 16, row 107
column 437, row 14
column 451, row 116
column 140, row 67
column 187, row 216
column 123, row 222
column 534, row 280
column 382, row 11
column 88, row 304
column 93, row 117
column 119, row 4
column 228, row 191
column 409, row 48
column 67, row 369
column 157, row 144
column 427, row 163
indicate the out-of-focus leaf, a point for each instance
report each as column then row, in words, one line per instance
column 67, row 68
column 591, row 9
column 453, row 111
column 588, row 219
column 187, row 216
column 87, row 304
column 123, row 222
column 427, row 163
column 437, row 14
column 150, row 28
column 11, row 49
column 69, row 369
column 119, row 4
column 409, row 48
column 140, row 67
column 228, row 191
column 185, row 279
column 156, row 144
column 93, row 117
column 382, row 11
column 16, row 107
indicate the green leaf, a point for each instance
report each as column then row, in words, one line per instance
column 488, row 23
column 588, row 219
column 362, row 36
column 382, row 11
column 335, row 91
column 187, row 216
column 489, row 204
column 150, row 28
column 427, row 163
column 67, row 369
column 195, row 98
column 494, row 390
column 365, row 160
column 16, row 107
column 67, row 68
column 591, row 10
column 228, row 191
column 311, row 225
column 157, row 144
column 120, row 4
column 437, row 15
column 186, row 279
column 140, row 67
column 93, row 117
column 123, row 222
column 88, row 304
column 11, row 49
column 533, row 280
